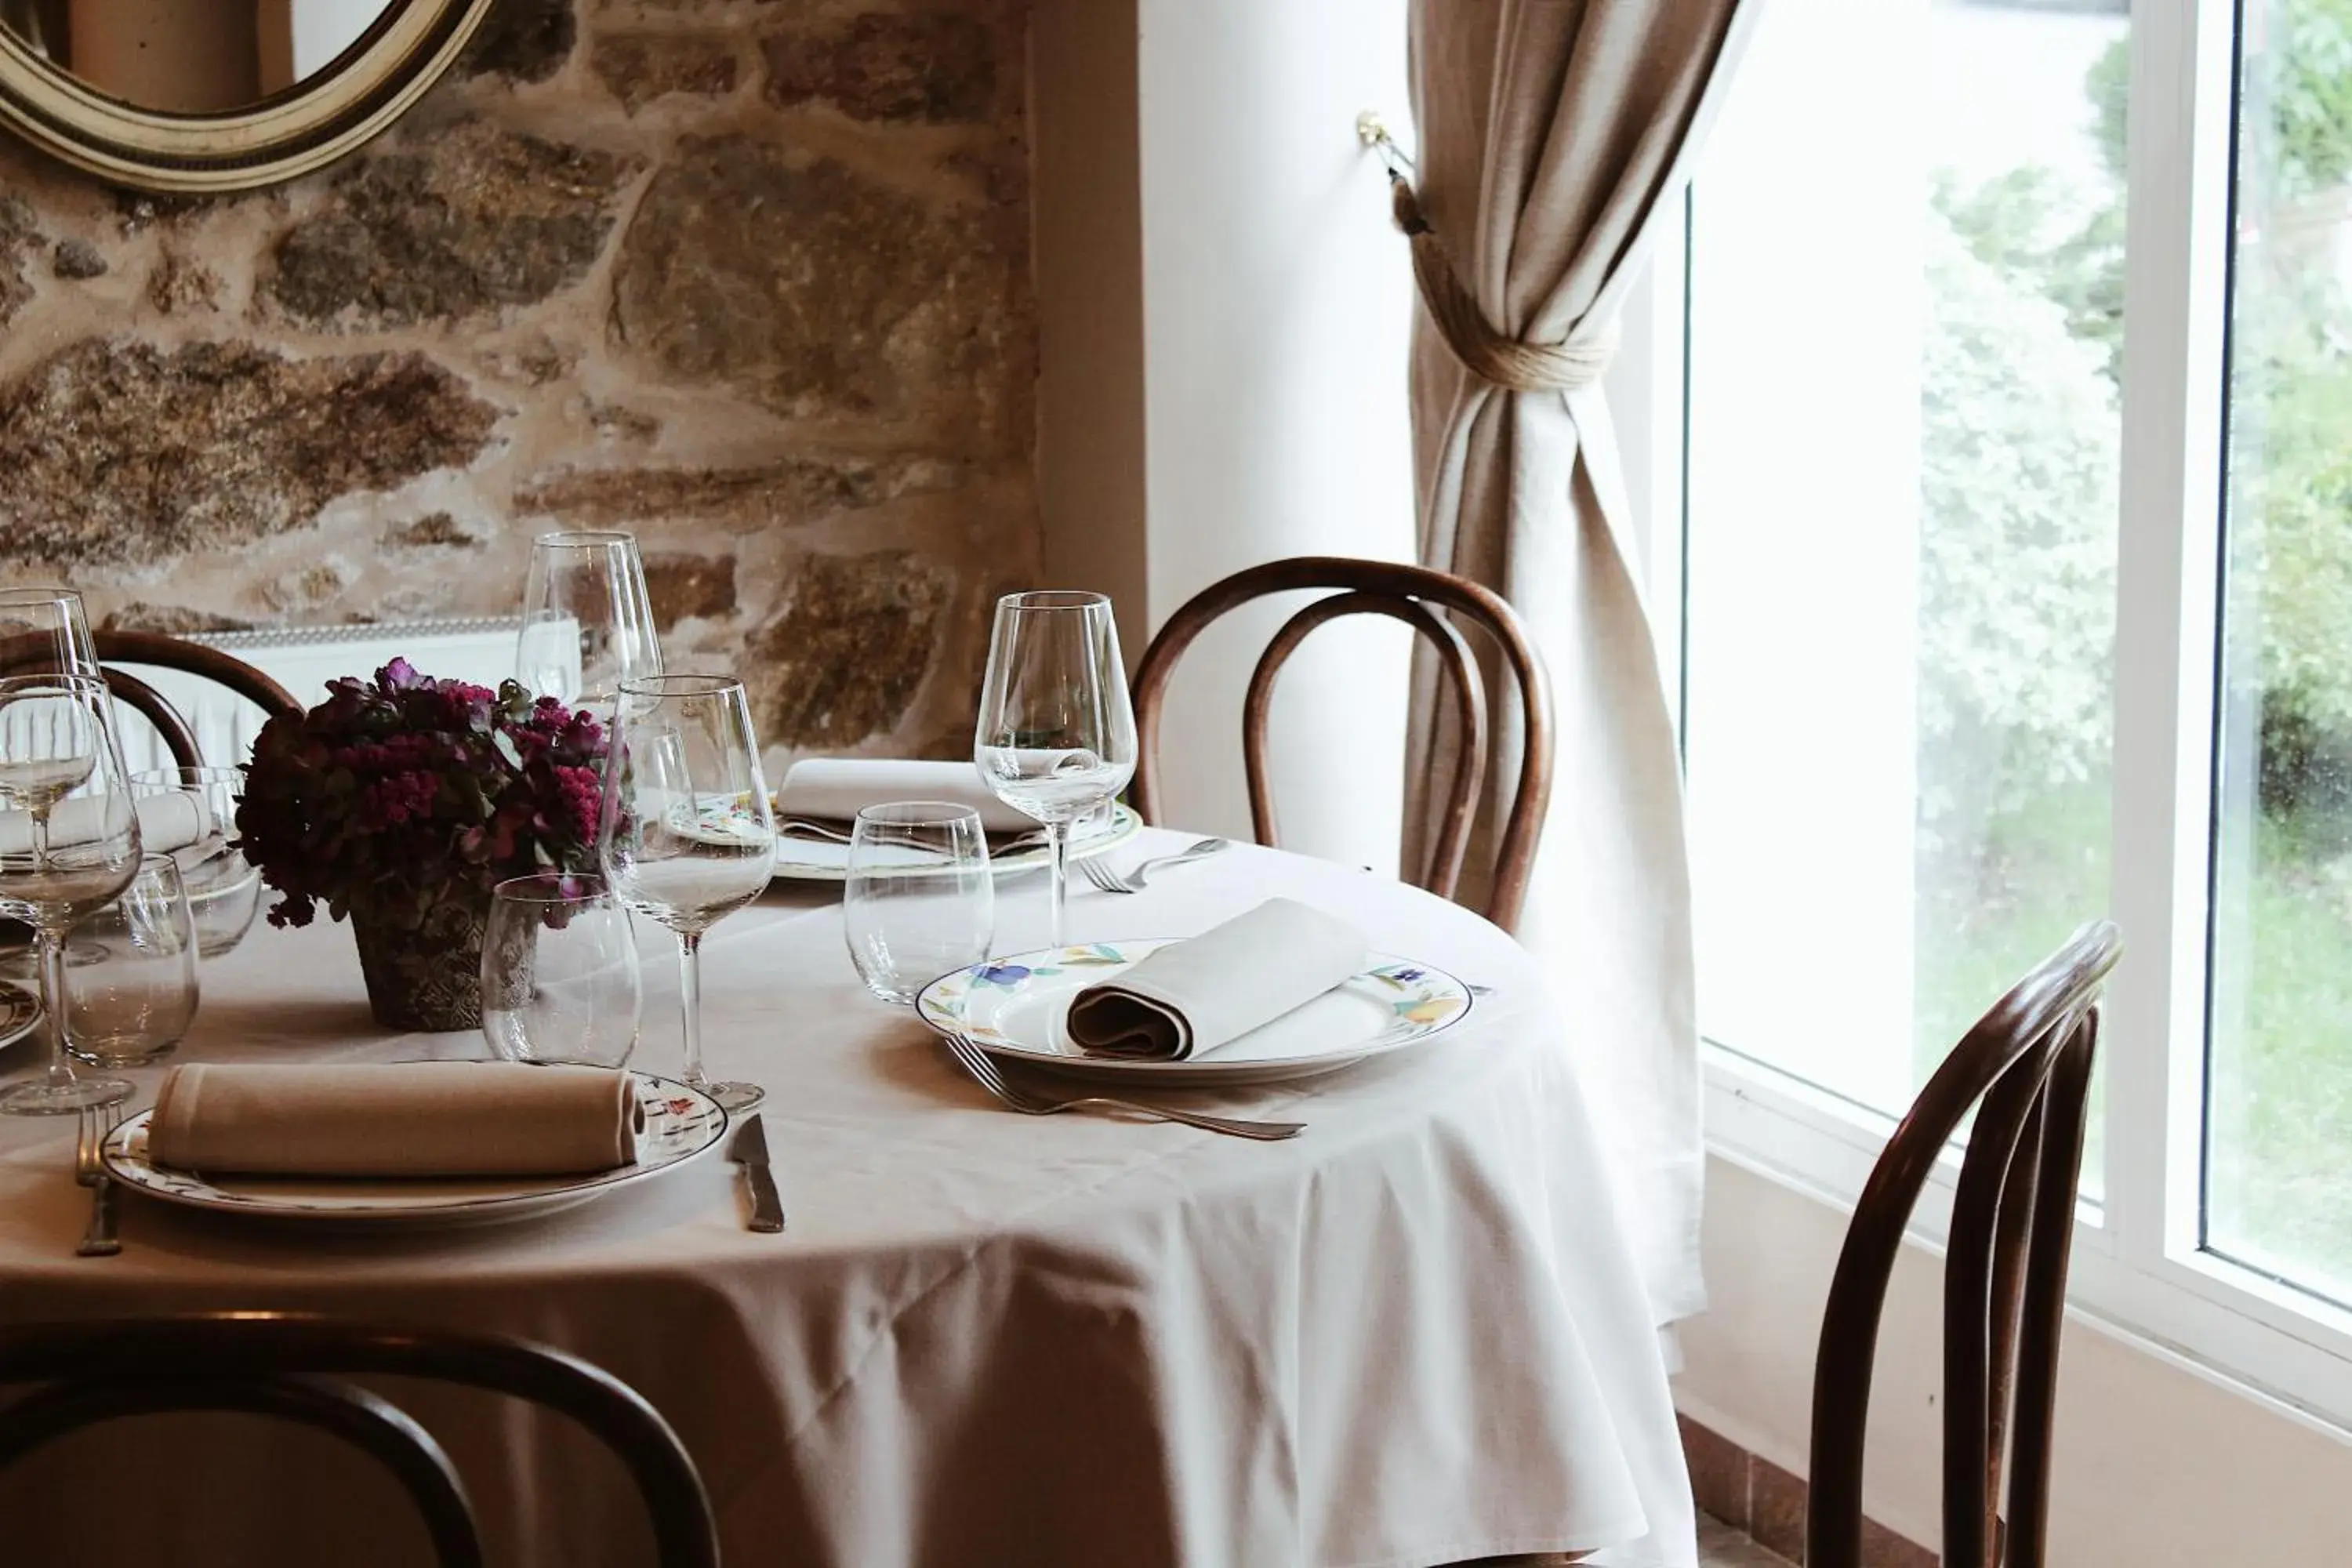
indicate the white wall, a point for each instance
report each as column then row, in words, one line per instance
column 2159, row 1464
column 1275, row 302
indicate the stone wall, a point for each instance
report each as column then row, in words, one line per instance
column 750, row 277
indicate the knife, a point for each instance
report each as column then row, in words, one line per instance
column 750, row 1150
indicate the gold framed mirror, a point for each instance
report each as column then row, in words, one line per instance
column 191, row 97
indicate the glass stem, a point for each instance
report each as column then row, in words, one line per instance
column 689, row 999
column 1057, row 844
column 40, row 838
column 51, row 941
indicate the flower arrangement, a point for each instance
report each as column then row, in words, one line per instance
column 399, row 798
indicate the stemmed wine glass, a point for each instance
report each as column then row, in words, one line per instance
column 587, row 621
column 68, row 845
column 1056, row 738
column 686, row 834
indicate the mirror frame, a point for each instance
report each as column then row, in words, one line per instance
column 319, row 119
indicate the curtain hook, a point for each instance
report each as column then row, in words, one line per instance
column 1372, row 131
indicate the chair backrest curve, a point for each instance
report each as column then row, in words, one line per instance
column 292, row 1365
column 2026, row 1069
column 1437, row 605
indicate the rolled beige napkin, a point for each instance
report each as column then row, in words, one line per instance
column 410, row 1119
column 835, row 789
column 1191, row 998
column 166, row 822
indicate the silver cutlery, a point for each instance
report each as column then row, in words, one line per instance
column 803, row 827
column 749, row 1149
column 982, row 1067
column 1111, row 881
column 826, row 833
column 91, row 1128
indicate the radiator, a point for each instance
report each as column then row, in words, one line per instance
column 303, row 659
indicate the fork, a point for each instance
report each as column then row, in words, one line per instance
column 1111, row 881
column 982, row 1067
column 92, row 1126
column 825, row 833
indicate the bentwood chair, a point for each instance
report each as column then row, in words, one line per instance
column 2026, row 1071
column 27, row 655
column 1435, row 605
column 152, row 705
column 227, row 670
column 296, row 1367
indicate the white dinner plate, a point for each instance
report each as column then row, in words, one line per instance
column 808, row 859
column 681, row 1125
column 20, row 1013
column 1018, row 1008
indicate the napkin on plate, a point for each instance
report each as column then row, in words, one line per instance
column 835, row 789
column 1191, row 998
column 410, row 1119
column 166, row 822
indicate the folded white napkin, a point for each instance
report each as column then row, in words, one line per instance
column 1191, row 998
column 411, row 1118
column 166, row 822
column 837, row 788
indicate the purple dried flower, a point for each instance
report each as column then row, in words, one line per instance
column 399, row 793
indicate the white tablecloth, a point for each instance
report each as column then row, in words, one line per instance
column 1410, row 1336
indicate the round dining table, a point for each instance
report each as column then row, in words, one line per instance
column 1413, row 1334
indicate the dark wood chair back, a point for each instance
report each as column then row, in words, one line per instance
column 1431, row 602
column 33, row 653
column 2026, row 1069
column 21, row 655
column 295, row 1367
column 156, row 708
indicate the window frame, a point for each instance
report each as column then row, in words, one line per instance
column 2139, row 1262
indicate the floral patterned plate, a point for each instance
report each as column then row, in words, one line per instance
column 1017, row 1008
column 809, row 860
column 682, row 1124
column 20, row 1013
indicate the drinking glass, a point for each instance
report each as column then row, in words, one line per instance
column 54, row 620
column 131, row 972
column 1056, row 738
column 224, row 886
column 686, row 834
column 559, row 972
column 920, row 901
column 587, row 621
column 43, row 628
column 68, row 845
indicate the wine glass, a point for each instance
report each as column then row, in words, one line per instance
column 131, row 972
column 224, row 886
column 919, row 901
column 68, row 845
column 686, row 833
column 587, row 621
column 559, row 972
column 52, row 620
column 1056, row 738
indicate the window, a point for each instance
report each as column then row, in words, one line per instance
column 2017, row 588
column 1911, row 415
column 2278, row 1177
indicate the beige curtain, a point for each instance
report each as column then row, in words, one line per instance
column 1552, row 134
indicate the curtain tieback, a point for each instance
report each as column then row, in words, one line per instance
column 1504, row 362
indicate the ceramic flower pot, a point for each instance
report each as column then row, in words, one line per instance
column 427, row 980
